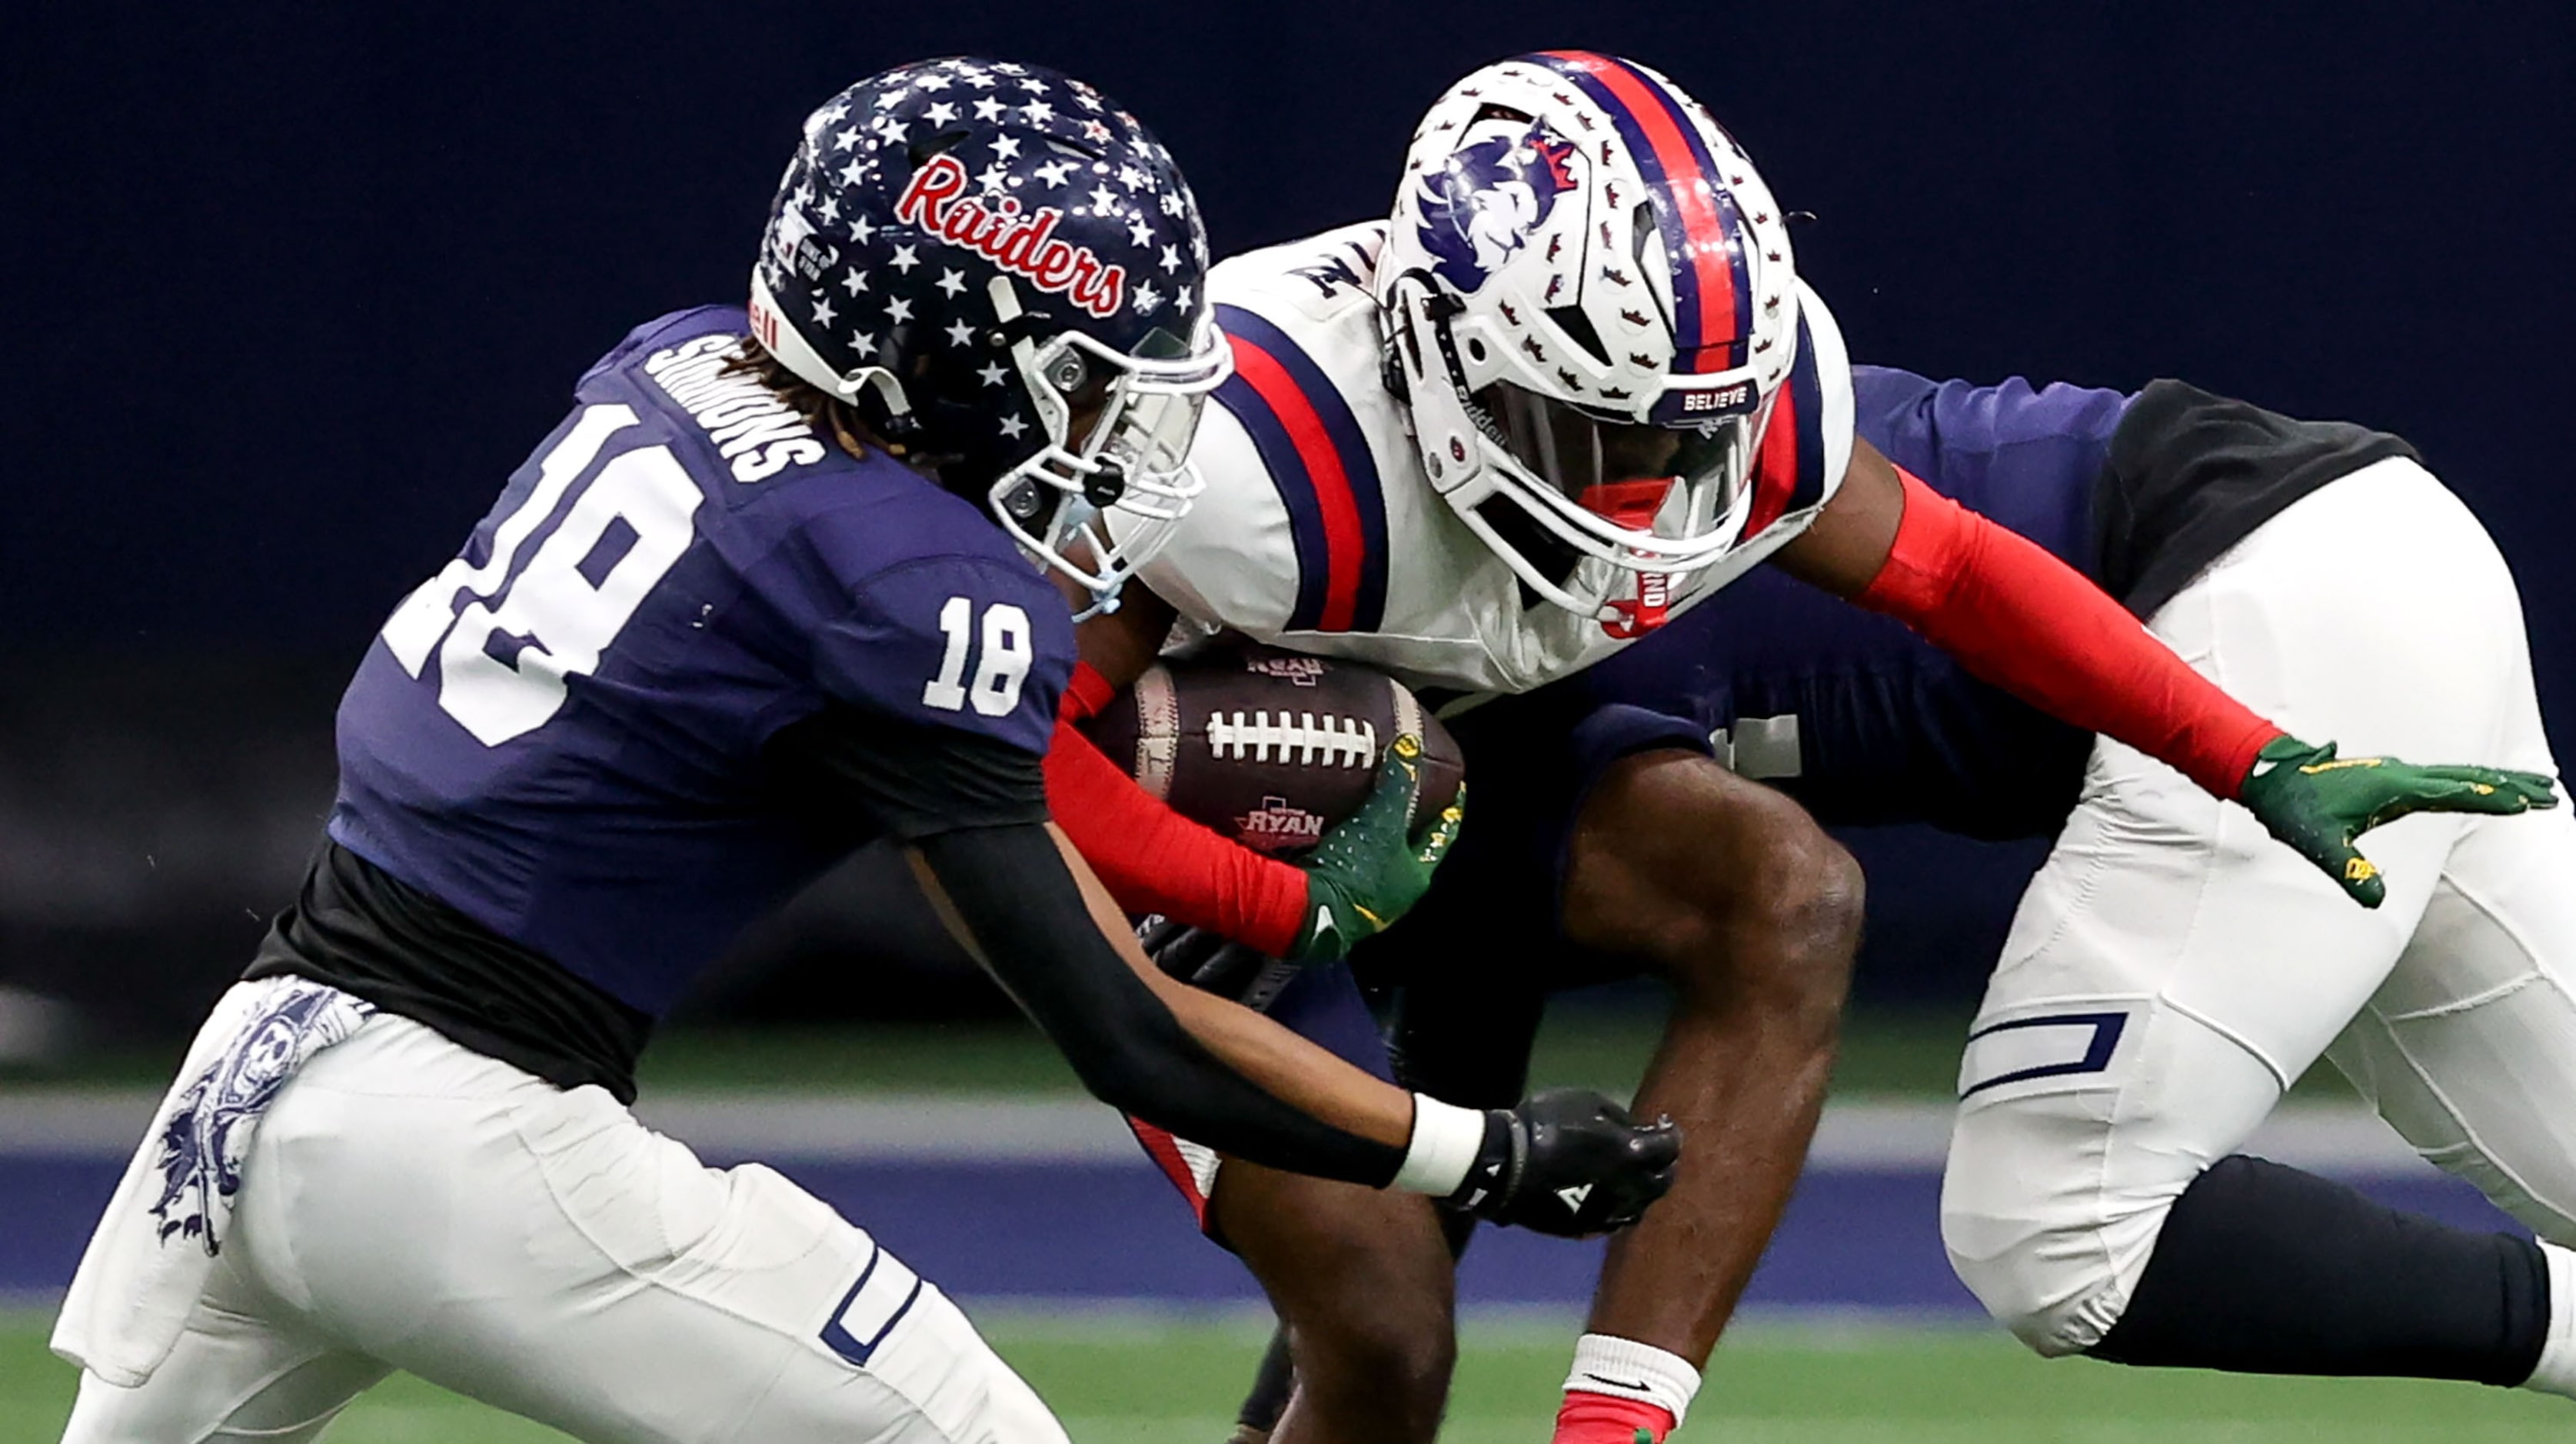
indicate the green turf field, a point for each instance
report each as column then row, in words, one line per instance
column 1174, row 1381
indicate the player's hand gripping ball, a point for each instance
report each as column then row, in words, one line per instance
column 1370, row 869
column 2320, row 804
column 1328, row 763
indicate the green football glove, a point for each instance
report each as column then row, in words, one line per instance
column 2318, row 803
column 1366, row 872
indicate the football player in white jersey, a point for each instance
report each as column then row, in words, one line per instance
column 1572, row 388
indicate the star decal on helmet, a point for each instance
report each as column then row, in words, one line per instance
column 959, row 243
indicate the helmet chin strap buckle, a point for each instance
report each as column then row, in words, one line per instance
column 1024, row 502
column 1103, row 487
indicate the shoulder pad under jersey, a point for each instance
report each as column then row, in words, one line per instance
column 913, row 602
column 669, row 329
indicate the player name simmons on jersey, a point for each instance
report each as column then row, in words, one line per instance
column 1319, row 531
column 565, row 736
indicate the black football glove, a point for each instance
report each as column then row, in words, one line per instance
column 1569, row 1162
column 1214, row 963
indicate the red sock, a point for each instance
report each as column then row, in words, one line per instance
column 1600, row 1419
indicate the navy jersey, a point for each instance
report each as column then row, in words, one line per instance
column 1850, row 711
column 560, row 734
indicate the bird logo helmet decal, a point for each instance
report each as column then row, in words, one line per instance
column 1489, row 198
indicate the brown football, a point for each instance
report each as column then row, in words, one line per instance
column 1270, row 747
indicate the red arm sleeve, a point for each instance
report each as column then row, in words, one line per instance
column 1151, row 858
column 2018, row 617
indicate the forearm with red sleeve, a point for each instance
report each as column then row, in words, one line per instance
column 1152, row 859
column 2018, row 617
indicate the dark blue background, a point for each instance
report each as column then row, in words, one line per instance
column 294, row 288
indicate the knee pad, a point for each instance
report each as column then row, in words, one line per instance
column 2033, row 1228
column 2087, row 1116
column 2054, row 1289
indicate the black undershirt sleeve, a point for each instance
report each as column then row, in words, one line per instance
column 847, row 768
column 1010, row 891
column 976, row 809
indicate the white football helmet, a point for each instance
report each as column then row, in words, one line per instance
column 1590, row 305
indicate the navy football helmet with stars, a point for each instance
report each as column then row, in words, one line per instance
column 983, row 258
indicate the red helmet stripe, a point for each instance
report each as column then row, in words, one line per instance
column 1789, row 460
column 1708, row 244
column 1775, row 463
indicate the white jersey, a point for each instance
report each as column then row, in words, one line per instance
column 1318, row 530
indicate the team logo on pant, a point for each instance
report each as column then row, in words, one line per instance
column 2046, row 1045
column 885, row 1292
column 209, row 1128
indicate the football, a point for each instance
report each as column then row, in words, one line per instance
column 1270, row 747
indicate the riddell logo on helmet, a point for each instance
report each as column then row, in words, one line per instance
column 1276, row 827
column 1024, row 245
column 1643, row 613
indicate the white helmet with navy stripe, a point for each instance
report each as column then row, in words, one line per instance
column 1590, row 307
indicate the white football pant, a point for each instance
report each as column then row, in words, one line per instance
column 410, row 1204
column 2172, row 968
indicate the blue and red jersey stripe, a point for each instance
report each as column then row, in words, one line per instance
column 1702, row 229
column 1323, row 469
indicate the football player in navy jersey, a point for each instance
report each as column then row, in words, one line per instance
column 775, row 588
column 1569, row 391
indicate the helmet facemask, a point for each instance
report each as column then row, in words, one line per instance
column 1623, row 484
column 1635, row 498
column 1142, row 410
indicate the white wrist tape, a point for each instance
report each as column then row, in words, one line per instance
column 1626, row 1369
column 1446, row 1140
column 2556, row 1371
